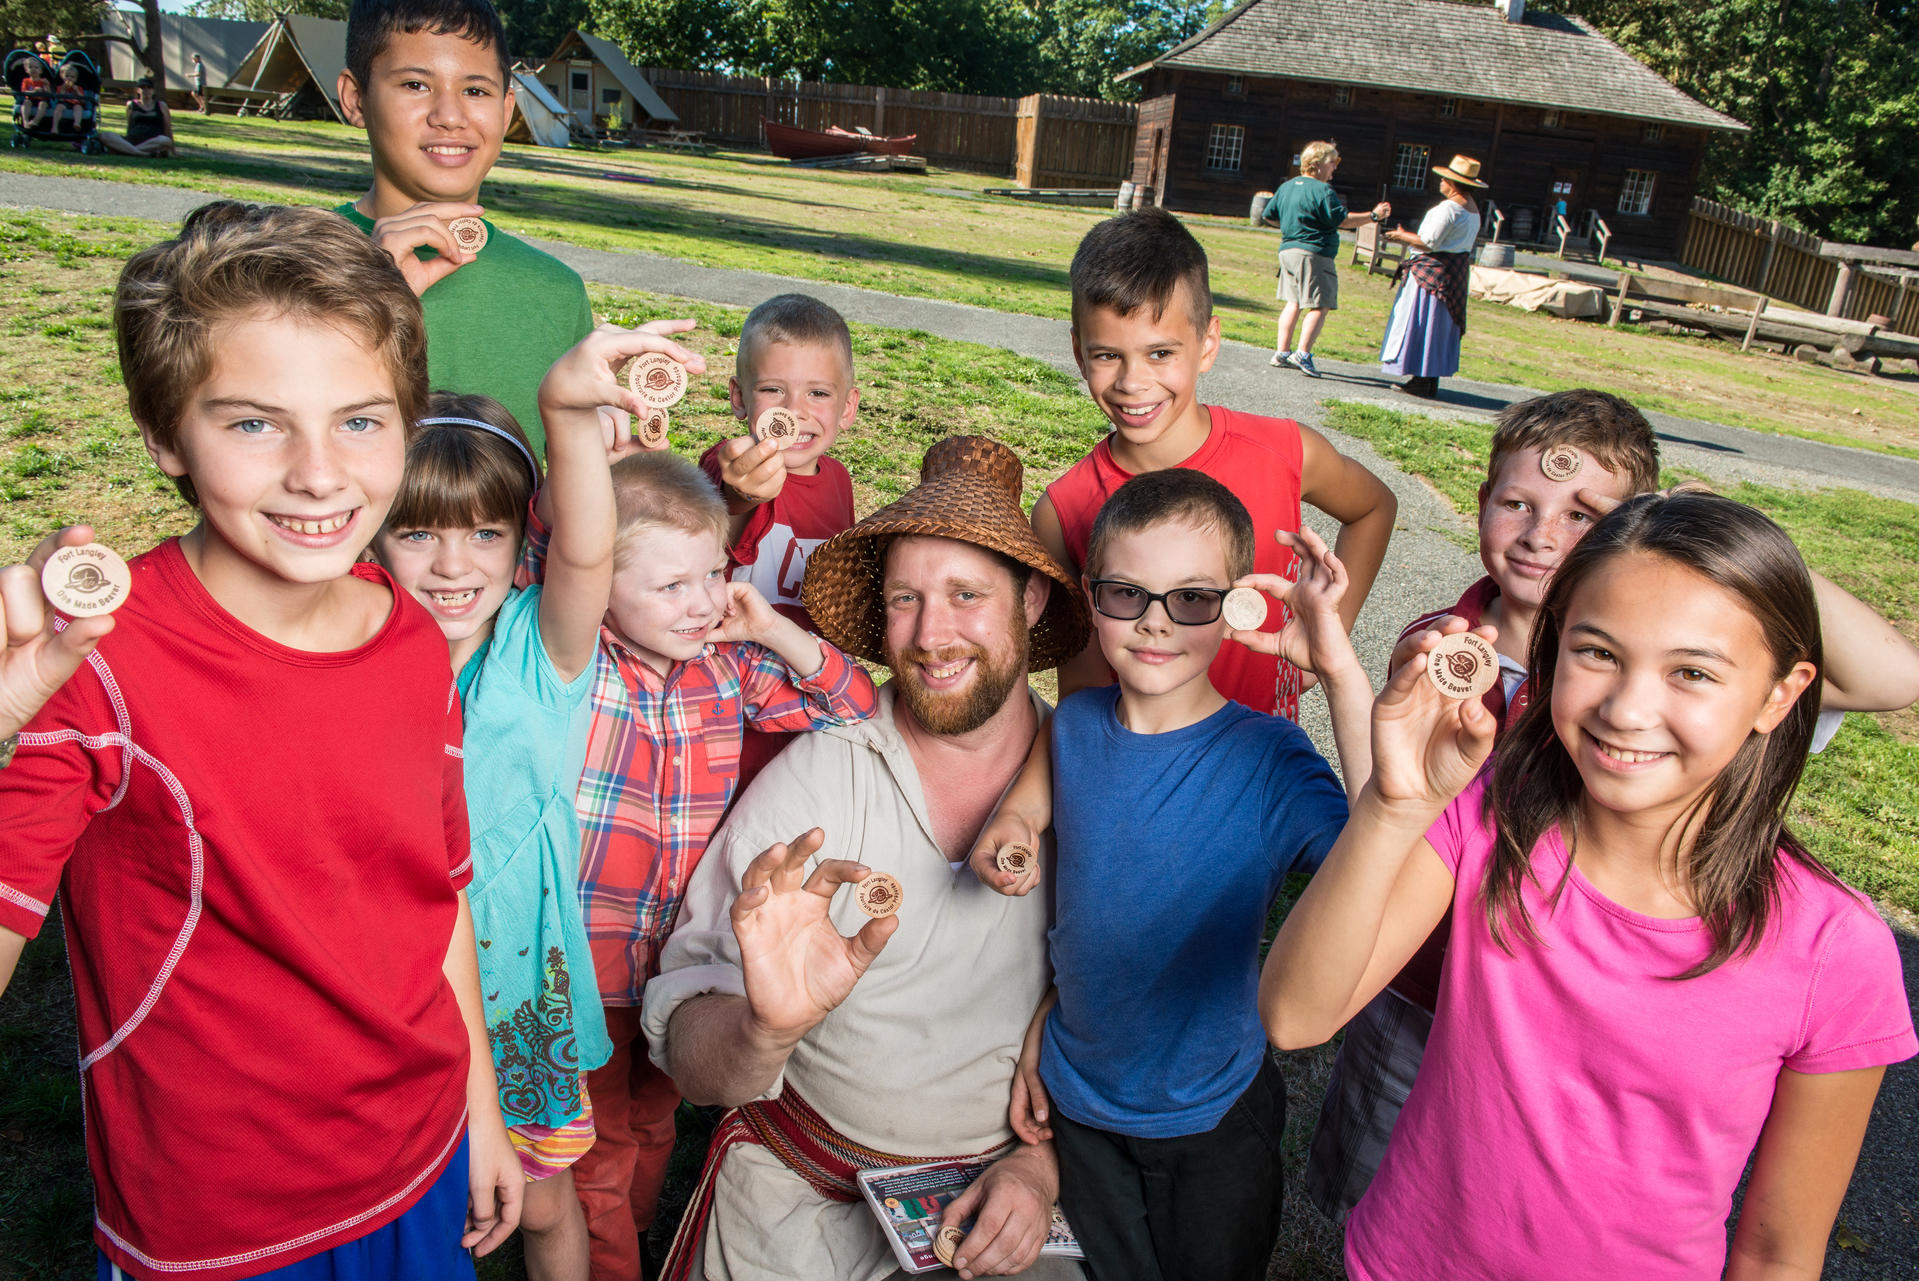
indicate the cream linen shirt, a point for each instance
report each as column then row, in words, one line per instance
column 918, row 1060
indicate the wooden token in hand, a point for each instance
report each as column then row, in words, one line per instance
column 946, row 1245
column 86, row 580
column 1015, row 859
column 1562, row 462
column 779, row 425
column 650, row 431
column 656, row 378
column 1244, row 608
column 468, row 233
column 1463, row 666
column 878, row 895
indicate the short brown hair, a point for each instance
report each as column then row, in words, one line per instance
column 660, row 490
column 459, row 476
column 1594, row 422
column 1140, row 259
column 1315, row 154
column 232, row 259
column 1175, row 494
column 793, row 318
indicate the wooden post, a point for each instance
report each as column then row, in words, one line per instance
column 1841, row 289
column 1772, row 251
column 879, row 110
column 1499, row 222
column 1564, row 229
column 1758, row 308
column 1605, row 237
column 1619, row 303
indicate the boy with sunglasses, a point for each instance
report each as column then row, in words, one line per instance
column 1178, row 815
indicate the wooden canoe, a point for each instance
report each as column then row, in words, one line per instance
column 793, row 143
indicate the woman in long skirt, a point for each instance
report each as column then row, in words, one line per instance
column 1429, row 314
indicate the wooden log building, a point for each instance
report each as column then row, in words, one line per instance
column 1552, row 109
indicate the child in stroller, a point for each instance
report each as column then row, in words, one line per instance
column 72, row 117
column 36, row 88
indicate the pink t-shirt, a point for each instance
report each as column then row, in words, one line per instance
column 1581, row 1116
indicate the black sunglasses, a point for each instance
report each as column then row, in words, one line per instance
column 1187, row 606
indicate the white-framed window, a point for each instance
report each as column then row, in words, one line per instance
column 1449, row 108
column 1411, row 166
column 1236, row 85
column 1342, row 95
column 1554, row 119
column 1635, row 194
column 1224, row 143
column 1654, row 131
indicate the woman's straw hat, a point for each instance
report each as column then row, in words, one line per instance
column 1464, row 170
column 969, row 491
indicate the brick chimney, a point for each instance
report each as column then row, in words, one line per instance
column 1511, row 10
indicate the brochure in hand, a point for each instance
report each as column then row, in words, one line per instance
column 910, row 1198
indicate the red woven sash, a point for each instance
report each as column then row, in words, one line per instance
column 789, row 1128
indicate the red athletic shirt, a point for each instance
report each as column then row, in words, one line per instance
column 771, row 554
column 1259, row 459
column 258, row 851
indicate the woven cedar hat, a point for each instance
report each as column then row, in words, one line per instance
column 969, row 491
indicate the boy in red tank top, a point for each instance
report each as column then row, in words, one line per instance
column 1143, row 333
column 795, row 352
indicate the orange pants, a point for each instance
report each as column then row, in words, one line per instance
column 619, row 1178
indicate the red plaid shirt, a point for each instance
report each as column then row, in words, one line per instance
column 662, row 762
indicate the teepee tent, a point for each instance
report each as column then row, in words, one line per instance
column 595, row 82
column 221, row 44
column 301, row 57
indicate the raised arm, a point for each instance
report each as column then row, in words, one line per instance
column 1383, row 888
column 1086, row 669
column 1360, row 502
column 1023, row 816
column 1870, row 666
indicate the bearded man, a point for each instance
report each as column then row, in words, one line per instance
column 842, row 1043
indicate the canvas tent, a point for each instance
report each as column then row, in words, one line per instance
column 592, row 79
column 538, row 117
column 221, row 44
column 300, row 57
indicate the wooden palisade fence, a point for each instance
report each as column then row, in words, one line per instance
column 1079, row 142
column 1781, row 261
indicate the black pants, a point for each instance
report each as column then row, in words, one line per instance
column 1201, row 1207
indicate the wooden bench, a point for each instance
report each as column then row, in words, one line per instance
column 1381, row 255
column 1675, row 300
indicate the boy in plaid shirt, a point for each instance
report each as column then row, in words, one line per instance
column 687, row 660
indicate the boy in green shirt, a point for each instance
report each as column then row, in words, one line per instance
column 427, row 80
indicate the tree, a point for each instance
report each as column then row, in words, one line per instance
column 267, row 10
column 534, row 28
column 25, row 21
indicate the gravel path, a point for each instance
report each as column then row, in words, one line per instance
column 1423, row 565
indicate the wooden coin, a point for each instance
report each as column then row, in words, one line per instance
column 878, row 895
column 946, row 1245
column 779, row 425
column 1562, row 462
column 1015, row 859
column 86, row 580
column 468, row 233
column 656, row 378
column 1244, row 608
column 1463, row 666
column 650, row 431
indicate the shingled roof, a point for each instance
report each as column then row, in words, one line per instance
column 1439, row 47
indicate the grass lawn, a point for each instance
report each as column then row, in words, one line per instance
column 1858, row 806
column 936, row 236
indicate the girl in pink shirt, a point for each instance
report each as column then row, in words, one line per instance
column 1650, row 976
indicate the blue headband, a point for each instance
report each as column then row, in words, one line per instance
column 501, row 432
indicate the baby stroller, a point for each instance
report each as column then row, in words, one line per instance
column 83, row 137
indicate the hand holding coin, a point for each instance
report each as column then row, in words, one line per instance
column 779, row 425
column 37, row 660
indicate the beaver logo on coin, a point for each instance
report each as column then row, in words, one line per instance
column 1560, row 463
column 1014, row 859
column 656, row 378
column 946, row 1245
column 878, row 895
column 650, row 431
column 86, row 580
column 468, row 233
column 779, row 425
column 1245, row 609
column 1463, row 666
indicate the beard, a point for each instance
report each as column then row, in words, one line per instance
column 995, row 675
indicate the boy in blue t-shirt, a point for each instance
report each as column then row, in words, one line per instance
column 1178, row 815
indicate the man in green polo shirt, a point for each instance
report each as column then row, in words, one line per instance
column 433, row 94
column 1310, row 215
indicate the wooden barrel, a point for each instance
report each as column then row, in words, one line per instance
column 1495, row 255
column 1125, row 200
column 1259, row 207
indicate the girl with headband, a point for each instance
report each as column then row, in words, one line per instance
column 523, row 660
